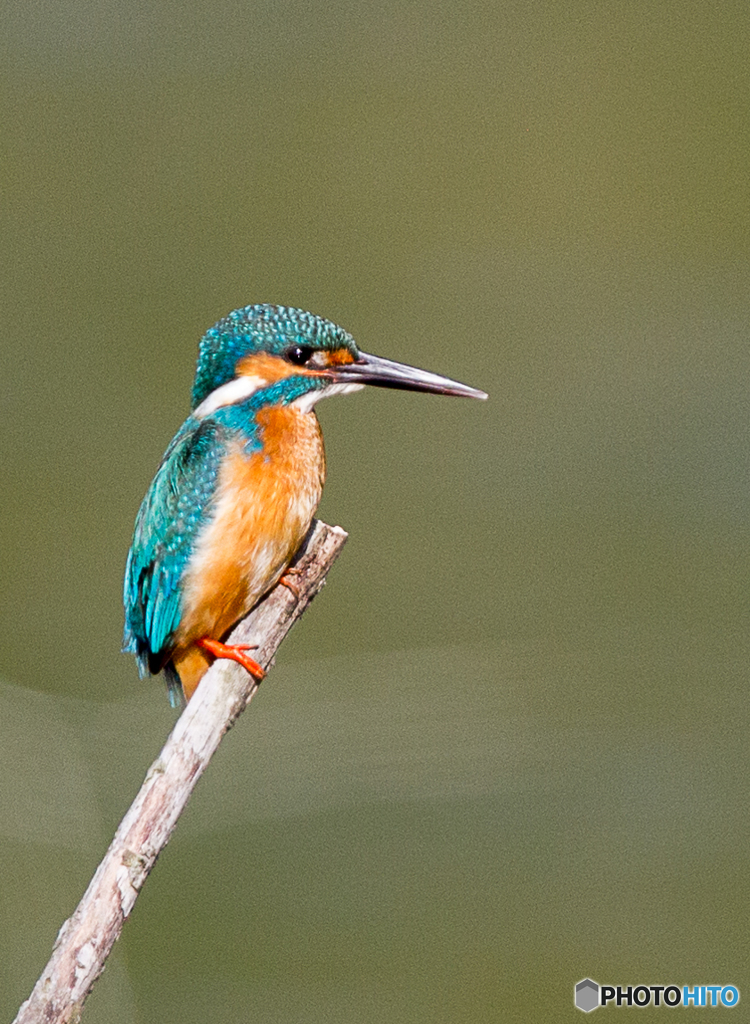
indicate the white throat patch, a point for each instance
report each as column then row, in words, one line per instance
column 236, row 390
column 306, row 402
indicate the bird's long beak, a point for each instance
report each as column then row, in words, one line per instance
column 384, row 373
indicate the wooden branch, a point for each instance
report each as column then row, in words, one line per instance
column 86, row 939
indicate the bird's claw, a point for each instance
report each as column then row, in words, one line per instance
column 234, row 652
column 290, row 584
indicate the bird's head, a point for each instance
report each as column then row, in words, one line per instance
column 298, row 356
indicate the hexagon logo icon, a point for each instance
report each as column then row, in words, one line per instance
column 587, row 995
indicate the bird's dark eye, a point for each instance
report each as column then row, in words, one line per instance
column 299, row 354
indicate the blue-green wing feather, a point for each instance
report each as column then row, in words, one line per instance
column 178, row 503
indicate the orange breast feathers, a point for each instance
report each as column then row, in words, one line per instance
column 265, row 503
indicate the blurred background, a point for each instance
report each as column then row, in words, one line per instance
column 506, row 748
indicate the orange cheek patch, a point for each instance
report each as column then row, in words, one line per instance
column 266, row 367
column 270, row 368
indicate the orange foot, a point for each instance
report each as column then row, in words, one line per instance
column 233, row 652
column 290, row 584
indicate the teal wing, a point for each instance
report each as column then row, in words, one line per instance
column 177, row 505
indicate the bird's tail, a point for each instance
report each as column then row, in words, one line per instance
column 174, row 687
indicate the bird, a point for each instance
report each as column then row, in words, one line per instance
column 236, row 491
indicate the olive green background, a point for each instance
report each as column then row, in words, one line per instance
column 507, row 746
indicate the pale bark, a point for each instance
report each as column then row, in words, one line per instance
column 86, row 939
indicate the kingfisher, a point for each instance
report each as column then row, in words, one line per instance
column 235, row 493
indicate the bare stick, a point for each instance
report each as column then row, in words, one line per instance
column 85, row 940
